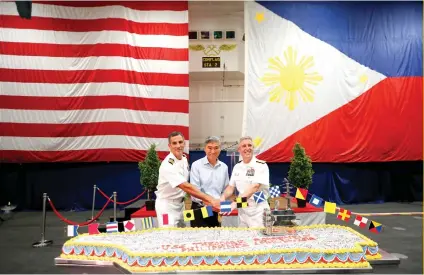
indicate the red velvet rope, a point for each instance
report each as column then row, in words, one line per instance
column 74, row 223
column 121, row 203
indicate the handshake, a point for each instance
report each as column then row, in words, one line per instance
column 225, row 208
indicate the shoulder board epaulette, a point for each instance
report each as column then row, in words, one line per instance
column 171, row 161
column 240, row 161
column 184, row 156
column 260, row 161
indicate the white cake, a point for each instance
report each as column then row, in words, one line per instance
column 323, row 246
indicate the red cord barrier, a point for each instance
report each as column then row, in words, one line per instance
column 122, row 203
column 74, row 223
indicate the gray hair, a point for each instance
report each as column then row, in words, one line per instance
column 245, row 138
column 213, row 139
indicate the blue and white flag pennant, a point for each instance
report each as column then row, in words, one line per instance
column 316, row 201
column 72, row 230
column 226, row 206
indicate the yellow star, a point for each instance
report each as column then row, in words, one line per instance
column 363, row 78
column 257, row 142
column 260, row 16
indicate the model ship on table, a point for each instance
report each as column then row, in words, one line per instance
column 277, row 221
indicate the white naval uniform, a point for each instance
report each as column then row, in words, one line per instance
column 242, row 176
column 170, row 198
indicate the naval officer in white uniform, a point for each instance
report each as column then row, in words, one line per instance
column 249, row 176
column 173, row 184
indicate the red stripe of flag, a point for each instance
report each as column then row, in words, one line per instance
column 136, row 5
column 97, row 76
column 89, row 129
column 89, row 155
column 63, row 50
column 91, row 25
column 93, row 102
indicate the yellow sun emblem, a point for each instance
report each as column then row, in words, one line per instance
column 257, row 142
column 291, row 78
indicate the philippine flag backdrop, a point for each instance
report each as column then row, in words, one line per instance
column 344, row 79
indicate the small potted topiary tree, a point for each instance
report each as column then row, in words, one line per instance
column 300, row 171
column 149, row 174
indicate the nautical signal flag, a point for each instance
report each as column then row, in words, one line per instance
column 165, row 219
column 274, row 191
column 207, row 211
column 259, row 197
column 301, row 193
column 147, row 223
column 375, row 227
column 93, row 228
column 330, row 207
column 112, row 227
column 72, row 230
column 360, row 221
column 344, row 214
column 129, row 225
column 226, row 206
column 241, row 202
column 316, row 201
column 188, row 215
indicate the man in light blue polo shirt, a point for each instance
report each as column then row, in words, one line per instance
column 211, row 176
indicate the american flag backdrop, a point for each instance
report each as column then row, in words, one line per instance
column 92, row 81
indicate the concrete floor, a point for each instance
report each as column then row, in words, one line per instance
column 402, row 234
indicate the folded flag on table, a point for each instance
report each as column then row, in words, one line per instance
column 72, row 230
column 301, row 193
column 274, row 191
column 241, row 202
column 316, row 201
column 226, row 206
column 259, row 197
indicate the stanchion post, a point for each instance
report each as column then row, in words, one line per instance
column 94, row 202
column 43, row 242
column 114, row 206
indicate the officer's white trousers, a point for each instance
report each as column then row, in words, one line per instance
column 173, row 208
column 252, row 216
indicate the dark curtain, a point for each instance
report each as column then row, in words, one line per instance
column 70, row 186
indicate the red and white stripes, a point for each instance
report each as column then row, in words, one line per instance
column 92, row 81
